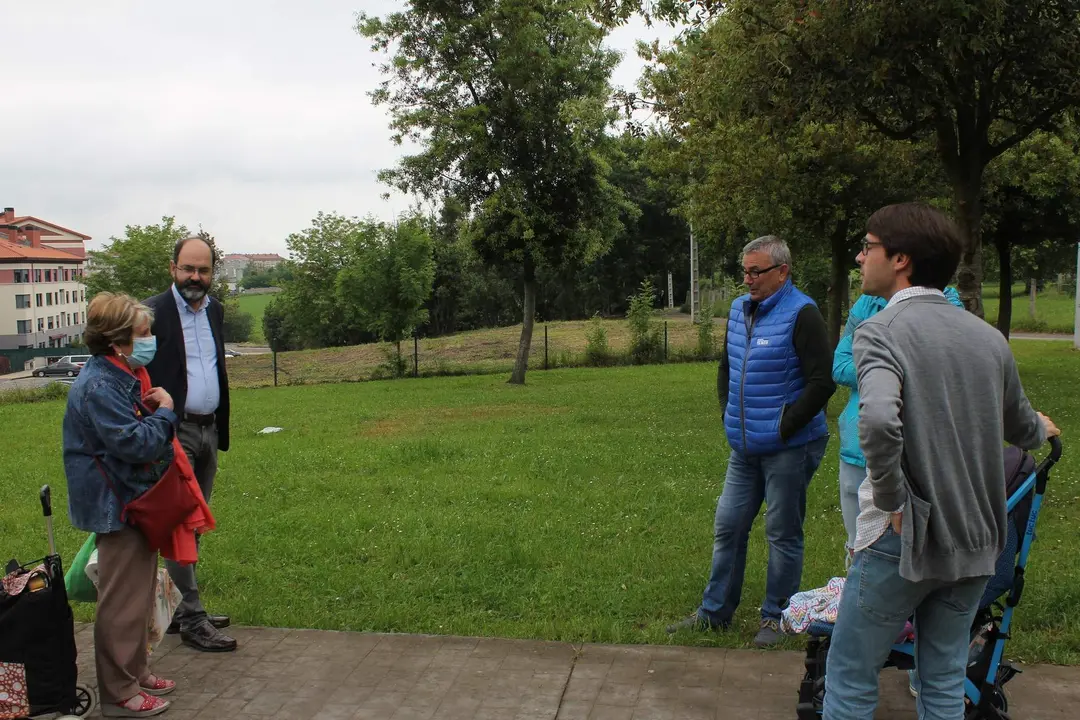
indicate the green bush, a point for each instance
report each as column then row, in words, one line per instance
column 597, row 351
column 52, row 391
column 646, row 343
column 706, row 343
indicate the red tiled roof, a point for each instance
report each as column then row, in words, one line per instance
column 45, row 230
column 14, row 252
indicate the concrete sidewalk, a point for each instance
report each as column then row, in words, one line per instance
column 305, row 674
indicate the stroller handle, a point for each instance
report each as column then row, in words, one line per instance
column 46, row 501
column 1053, row 457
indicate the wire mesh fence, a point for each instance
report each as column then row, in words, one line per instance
column 554, row 345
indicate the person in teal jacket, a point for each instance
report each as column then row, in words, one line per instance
column 852, row 462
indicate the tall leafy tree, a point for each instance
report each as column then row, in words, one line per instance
column 812, row 181
column 307, row 312
column 138, row 262
column 508, row 100
column 385, row 285
column 1032, row 204
column 976, row 77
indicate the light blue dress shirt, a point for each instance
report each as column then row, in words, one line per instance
column 203, row 391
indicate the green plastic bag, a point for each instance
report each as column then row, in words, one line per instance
column 79, row 587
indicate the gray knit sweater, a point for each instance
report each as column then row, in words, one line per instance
column 939, row 397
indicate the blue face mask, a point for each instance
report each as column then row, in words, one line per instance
column 142, row 354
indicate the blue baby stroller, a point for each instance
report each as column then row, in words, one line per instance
column 987, row 671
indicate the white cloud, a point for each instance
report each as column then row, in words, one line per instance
column 247, row 117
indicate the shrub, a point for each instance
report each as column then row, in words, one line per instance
column 597, row 351
column 646, row 344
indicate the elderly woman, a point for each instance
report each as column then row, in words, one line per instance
column 118, row 442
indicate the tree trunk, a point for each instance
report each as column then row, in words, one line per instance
column 1031, row 298
column 966, row 188
column 1004, row 322
column 521, row 364
column 838, row 280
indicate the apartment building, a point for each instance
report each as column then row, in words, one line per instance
column 42, row 301
column 234, row 265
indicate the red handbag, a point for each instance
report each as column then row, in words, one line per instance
column 159, row 510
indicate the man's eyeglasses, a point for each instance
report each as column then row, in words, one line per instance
column 867, row 244
column 755, row 274
column 189, row 270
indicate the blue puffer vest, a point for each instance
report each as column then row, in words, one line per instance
column 765, row 374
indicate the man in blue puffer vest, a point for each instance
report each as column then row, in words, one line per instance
column 773, row 382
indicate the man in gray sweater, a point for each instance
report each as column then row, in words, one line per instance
column 939, row 397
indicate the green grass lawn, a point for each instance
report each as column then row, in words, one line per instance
column 1055, row 312
column 576, row 508
column 256, row 305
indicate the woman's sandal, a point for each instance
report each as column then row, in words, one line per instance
column 158, row 686
column 139, row 706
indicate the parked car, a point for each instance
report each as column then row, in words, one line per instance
column 69, row 365
column 231, row 353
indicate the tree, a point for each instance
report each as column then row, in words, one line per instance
column 976, row 78
column 384, row 287
column 308, row 307
column 138, row 262
column 813, row 182
column 238, row 324
column 275, row 276
column 1032, row 202
column 507, row 99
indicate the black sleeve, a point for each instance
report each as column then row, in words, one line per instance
column 722, row 375
column 811, row 340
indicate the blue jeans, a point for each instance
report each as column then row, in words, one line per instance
column 851, row 477
column 873, row 609
column 780, row 480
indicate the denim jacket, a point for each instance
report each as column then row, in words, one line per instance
column 102, row 420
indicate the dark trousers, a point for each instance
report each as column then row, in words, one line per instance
column 200, row 443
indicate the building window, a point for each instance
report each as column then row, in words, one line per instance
column 23, row 327
column 82, row 296
column 67, row 275
column 37, row 276
column 22, row 276
column 48, row 299
column 39, row 301
column 50, row 322
column 41, row 324
column 48, row 276
column 22, row 302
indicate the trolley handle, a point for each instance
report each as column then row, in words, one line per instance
column 46, row 501
column 1050, row 460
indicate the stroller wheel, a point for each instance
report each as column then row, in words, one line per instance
column 998, row 702
column 85, row 700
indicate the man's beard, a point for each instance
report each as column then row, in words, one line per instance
column 192, row 291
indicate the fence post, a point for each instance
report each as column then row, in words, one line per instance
column 416, row 354
column 273, row 350
column 665, row 341
column 545, row 347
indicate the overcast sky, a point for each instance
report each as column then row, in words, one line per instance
column 248, row 117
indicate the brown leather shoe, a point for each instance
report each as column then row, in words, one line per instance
column 207, row 638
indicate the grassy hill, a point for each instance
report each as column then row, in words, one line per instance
column 256, row 305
